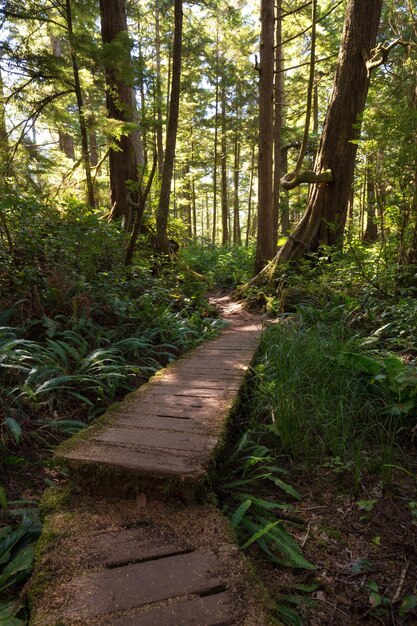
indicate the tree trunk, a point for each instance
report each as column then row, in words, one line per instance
column 85, row 155
column 265, row 249
column 412, row 251
column 188, row 197
column 278, row 118
column 93, row 149
column 125, row 159
column 163, row 206
column 325, row 217
column 225, row 208
column 285, row 200
column 249, row 223
column 236, row 218
column 216, row 139
column 4, row 140
column 142, row 96
column 193, row 193
column 371, row 232
column 159, row 124
column 66, row 142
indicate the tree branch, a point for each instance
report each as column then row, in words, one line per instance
column 379, row 55
column 306, row 176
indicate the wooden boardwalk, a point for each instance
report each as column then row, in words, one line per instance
column 169, row 428
column 140, row 563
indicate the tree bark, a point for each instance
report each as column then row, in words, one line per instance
column 249, row 223
column 236, row 217
column 285, row 200
column 225, row 208
column 159, row 124
column 412, row 251
column 265, row 249
column 126, row 157
column 93, row 149
column 371, row 232
column 163, row 206
column 278, row 117
column 325, row 216
column 85, row 155
column 142, row 95
column 4, row 140
column 216, row 139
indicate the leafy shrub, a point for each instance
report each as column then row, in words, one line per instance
column 225, row 266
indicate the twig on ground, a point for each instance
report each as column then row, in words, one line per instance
column 397, row 594
column 306, row 536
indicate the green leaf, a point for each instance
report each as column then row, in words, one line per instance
column 263, row 531
column 285, row 487
column 59, row 381
column 361, row 565
column 67, row 426
column 22, row 562
column 304, row 588
column 408, row 604
column 12, row 621
column 240, row 513
column 3, row 499
column 375, row 599
column 8, row 610
column 14, row 428
column 288, row 615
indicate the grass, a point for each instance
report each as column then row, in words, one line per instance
column 317, row 403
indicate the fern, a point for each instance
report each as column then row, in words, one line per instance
column 249, row 472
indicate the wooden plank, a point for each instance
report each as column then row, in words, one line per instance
column 151, row 438
column 217, row 610
column 183, row 425
column 153, row 463
column 122, row 588
column 110, row 549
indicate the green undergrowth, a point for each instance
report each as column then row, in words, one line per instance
column 333, row 390
column 224, row 266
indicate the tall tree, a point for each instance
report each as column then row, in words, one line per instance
column 236, row 171
column 216, row 135
column 265, row 248
column 278, row 117
column 80, row 105
column 126, row 154
column 164, row 198
column 158, row 95
column 223, row 160
column 325, row 216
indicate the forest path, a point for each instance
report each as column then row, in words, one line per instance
column 117, row 561
column 170, row 427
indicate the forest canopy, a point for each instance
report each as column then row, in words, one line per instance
column 87, row 94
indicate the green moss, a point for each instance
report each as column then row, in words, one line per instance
column 44, row 568
column 54, row 499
